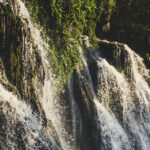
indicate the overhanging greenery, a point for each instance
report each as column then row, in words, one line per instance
column 64, row 21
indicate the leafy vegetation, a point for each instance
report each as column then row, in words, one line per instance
column 64, row 21
column 148, row 56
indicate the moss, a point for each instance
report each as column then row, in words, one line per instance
column 63, row 23
column 122, row 69
column 12, row 46
column 9, row 48
column 148, row 56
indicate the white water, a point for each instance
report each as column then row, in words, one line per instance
column 113, row 135
column 141, row 122
column 134, row 97
column 48, row 100
column 21, row 120
column 132, row 132
column 54, row 111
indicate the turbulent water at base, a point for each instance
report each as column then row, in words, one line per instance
column 104, row 106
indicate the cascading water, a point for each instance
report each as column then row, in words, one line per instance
column 76, row 117
column 132, row 96
column 20, row 128
column 104, row 106
column 113, row 135
column 116, row 92
column 121, row 99
column 54, row 132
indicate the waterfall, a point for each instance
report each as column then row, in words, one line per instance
column 54, row 133
column 133, row 96
column 113, row 135
column 121, row 101
column 20, row 126
column 76, row 117
column 54, row 112
column 50, row 103
column 105, row 104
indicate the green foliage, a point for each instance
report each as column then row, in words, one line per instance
column 108, row 5
column 148, row 56
column 121, row 70
column 64, row 21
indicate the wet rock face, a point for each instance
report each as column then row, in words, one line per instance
column 115, row 54
column 23, row 73
column 125, row 61
column 11, row 45
column 20, row 58
column 86, row 126
column 118, row 80
column 121, row 57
